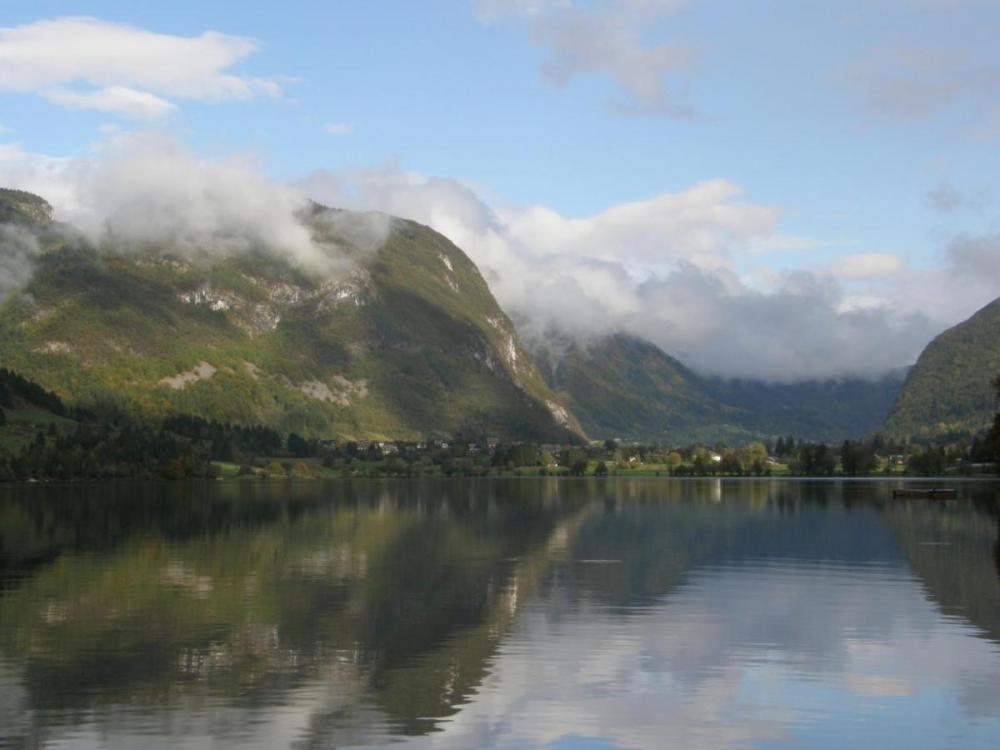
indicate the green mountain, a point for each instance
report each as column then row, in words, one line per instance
column 19, row 207
column 827, row 410
column 623, row 387
column 400, row 342
column 948, row 391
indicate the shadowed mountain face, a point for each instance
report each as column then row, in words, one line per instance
column 623, row 387
column 828, row 410
column 949, row 389
column 398, row 338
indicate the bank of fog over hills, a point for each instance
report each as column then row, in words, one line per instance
column 397, row 339
column 625, row 387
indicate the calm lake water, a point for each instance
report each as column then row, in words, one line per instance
column 499, row 614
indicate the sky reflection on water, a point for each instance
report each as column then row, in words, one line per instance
column 502, row 615
column 747, row 655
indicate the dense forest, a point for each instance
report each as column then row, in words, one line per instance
column 623, row 386
column 948, row 393
column 41, row 438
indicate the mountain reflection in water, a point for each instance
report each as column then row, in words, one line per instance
column 503, row 614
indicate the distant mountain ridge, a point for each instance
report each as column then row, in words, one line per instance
column 406, row 342
column 624, row 387
column 948, row 391
column 829, row 410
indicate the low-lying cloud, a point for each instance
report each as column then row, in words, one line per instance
column 666, row 269
column 146, row 193
column 18, row 251
column 682, row 269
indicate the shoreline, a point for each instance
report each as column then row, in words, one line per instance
column 276, row 480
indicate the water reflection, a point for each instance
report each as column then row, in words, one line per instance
column 509, row 614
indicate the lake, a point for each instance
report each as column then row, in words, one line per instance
column 514, row 614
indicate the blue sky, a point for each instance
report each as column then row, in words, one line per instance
column 869, row 129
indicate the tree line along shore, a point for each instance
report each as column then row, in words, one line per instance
column 43, row 439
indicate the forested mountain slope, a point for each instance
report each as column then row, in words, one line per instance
column 949, row 389
column 623, row 387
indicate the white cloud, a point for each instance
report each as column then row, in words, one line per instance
column 966, row 278
column 146, row 193
column 701, row 225
column 119, row 100
column 867, row 265
column 606, row 39
column 19, row 250
column 47, row 176
column 663, row 269
column 87, row 62
column 681, row 270
column 339, row 128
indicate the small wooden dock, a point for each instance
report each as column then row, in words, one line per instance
column 929, row 493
